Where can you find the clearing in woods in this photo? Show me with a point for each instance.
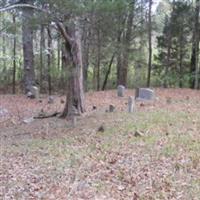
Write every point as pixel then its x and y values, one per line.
pixel 152 154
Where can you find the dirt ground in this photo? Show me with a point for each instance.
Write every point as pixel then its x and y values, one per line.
pixel 150 154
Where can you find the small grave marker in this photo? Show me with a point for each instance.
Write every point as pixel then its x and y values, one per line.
pixel 131 104
pixel 144 94
pixel 120 91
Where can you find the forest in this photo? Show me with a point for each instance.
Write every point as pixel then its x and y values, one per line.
pixel 100 99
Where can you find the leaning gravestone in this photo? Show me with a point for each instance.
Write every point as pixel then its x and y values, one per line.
pixel 131 105
pixel 120 91
pixel 144 94
pixel 35 92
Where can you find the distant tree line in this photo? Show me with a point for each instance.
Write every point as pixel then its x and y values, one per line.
pixel 77 45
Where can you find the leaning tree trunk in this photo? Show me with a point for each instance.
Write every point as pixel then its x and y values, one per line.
pixel 27 37
pixel 75 94
pixel 108 72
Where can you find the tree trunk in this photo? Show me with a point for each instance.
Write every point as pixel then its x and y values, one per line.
pixel 75 94
pixel 58 52
pixel 166 82
pixel 86 49
pixel 4 49
pixel 123 56
pixel 108 72
pixel 150 45
pixel 27 38
pixel 195 49
pixel 181 62
pixel 14 55
pixel 98 62
pixel 49 60
pixel 42 47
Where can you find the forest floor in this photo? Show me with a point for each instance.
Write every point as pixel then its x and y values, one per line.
pixel 151 154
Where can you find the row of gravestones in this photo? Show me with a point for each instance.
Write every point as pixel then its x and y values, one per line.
pixel 141 94
pixel 34 93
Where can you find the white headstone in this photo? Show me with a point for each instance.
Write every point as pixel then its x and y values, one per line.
pixel 35 92
pixel 51 99
pixel 120 91
pixel 3 112
pixel 131 104
pixel 144 94
pixel 28 120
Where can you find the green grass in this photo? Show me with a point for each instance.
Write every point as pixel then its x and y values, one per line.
pixel 178 150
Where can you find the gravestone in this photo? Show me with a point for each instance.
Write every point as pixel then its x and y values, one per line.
pixel 120 91
pixel 35 92
pixel 51 100
pixel 30 95
pixel 3 112
pixel 111 108
pixel 131 104
pixel 28 120
pixel 144 94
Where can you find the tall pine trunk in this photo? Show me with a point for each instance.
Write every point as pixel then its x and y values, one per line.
pixel 195 49
pixel 123 56
pixel 4 49
pixel 49 60
pixel 27 38
pixel 86 50
pixel 42 48
pixel 14 56
pixel 108 72
pixel 98 61
pixel 150 45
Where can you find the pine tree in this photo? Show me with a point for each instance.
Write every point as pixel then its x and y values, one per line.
pixel 173 46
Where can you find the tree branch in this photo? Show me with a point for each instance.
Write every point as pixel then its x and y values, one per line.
pixel 10 7
pixel 63 32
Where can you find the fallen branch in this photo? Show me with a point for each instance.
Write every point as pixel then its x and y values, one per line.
pixel 44 116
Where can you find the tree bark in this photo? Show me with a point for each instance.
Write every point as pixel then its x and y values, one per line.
pixel 58 53
pixel 108 72
pixel 14 55
pixel 4 49
pixel 150 45
pixel 42 47
pixel 27 38
pixel 123 56
pixel 166 83
pixel 75 104
pixel 98 62
pixel 86 49
pixel 195 49
pixel 181 63
pixel 49 60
